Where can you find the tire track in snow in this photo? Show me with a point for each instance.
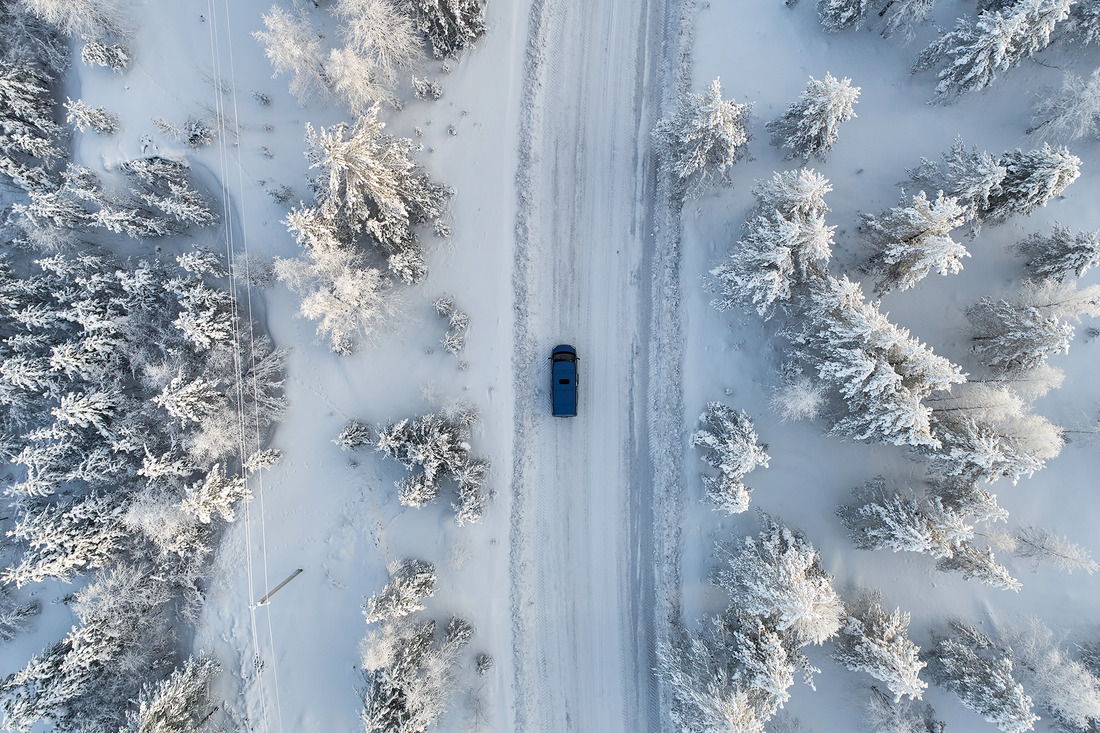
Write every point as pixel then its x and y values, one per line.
pixel 583 561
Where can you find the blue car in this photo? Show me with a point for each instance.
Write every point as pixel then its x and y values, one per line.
pixel 563 381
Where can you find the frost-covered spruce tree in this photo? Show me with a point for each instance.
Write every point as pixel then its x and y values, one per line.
pixel 728 442
pixel 875 641
pixel 28 150
pixel 912 241
pixel 785 241
pixel 410 582
pixel 367 183
pixel 702 139
pixel 1011 338
pixel 15 614
pixel 838 15
pixel 354 435
pixel 1061 254
pixel 451 25
pixel 778 576
pixel 380 44
pixel 904 16
pixel 974 562
pixel 82 116
pixel 216 493
pixel 293 47
pixel 882 373
pixel 969 176
pixel 882 519
pixel 970 56
pixel 114 56
pixel 177 704
pixel 1032 178
pixel 809 127
pixel 966 662
pixel 1071 112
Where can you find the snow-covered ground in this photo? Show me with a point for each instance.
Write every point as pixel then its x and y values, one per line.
pixel 562 234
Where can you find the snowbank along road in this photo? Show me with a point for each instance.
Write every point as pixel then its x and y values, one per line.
pixel 584 592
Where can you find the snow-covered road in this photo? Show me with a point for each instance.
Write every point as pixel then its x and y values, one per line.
pixel 585 595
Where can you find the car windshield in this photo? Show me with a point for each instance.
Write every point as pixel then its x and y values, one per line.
pixel 563 356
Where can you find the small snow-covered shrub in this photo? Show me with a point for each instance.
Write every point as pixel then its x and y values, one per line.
pixel 728 442
pixel 112 55
pixel 410 582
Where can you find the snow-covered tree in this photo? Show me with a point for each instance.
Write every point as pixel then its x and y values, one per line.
pixel 79 18
pixel 1061 254
pixel 355 434
pixel 904 16
pixel 408 671
pixel 15 614
pixel 838 15
pixel 293 47
pixel 410 582
pixel 875 641
pixel 1071 112
pixel 1039 545
pixel 82 116
pixel 216 493
pixel 883 714
pixel 1084 21
pixel 1032 178
pixel 778 576
pixel 969 176
pixel 27 128
pixel 970 55
pixel 114 56
pixel 799 397
pixel 967 663
pixel 702 139
pixel 728 442
pixel 367 183
pixel 64 538
pixel 902 522
pixel 809 127
pixel 451 25
pixel 177 704
pixel 350 300
pixel 379 44
pixel 974 562
pixel 911 242
pixel 1058 683
pixel 1012 338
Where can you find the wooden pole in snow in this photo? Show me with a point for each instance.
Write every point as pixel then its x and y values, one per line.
pixel 289 578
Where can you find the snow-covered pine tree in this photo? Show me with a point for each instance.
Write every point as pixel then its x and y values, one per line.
pixel 114 56
pixel 27 129
pixel 216 493
pixel 1011 338
pixel 1061 254
pixel 293 47
pixel 778 575
pixel 1071 112
pixel 354 435
pixel 875 641
pixel 64 538
pixel 472 497
pixel 450 25
pixel 801 191
pixel 702 139
pixel 838 15
pixel 970 56
pixel 969 176
pixel 904 17
pixel 82 116
pixel 15 614
pixel 1084 21
pixel 912 241
pixel 967 663
pixel 367 183
pixel 728 442
pixel 974 562
pixel 410 582
pixel 177 704
pixel 379 44
pixel 1032 178
pixel 882 519
pixel 809 127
